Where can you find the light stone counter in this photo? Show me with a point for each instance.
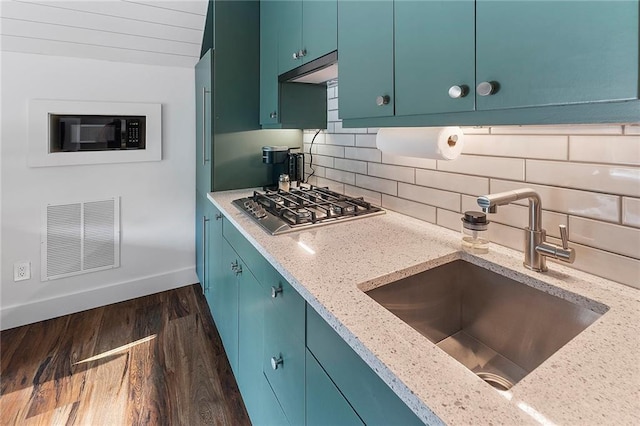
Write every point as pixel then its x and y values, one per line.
pixel 594 379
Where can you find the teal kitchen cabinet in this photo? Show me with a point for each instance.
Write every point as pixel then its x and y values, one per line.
pixel 284 347
pixel 553 53
pixel 428 65
pixel 308 29
pixel 325 405
pixel 272 414
pixel 201 239
pixel 515 62
pixel 371 398
pixel 225 304
pixel 285 105
pixel 365 46
pixel 213 250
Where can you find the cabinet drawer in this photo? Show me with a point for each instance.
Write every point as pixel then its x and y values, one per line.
pixel 272 414
pixel 285 302
pixel 283 365
pixel 248 253
pixel 325 404
pixel 369 396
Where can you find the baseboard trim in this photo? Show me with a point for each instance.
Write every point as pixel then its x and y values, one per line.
pixel 14 316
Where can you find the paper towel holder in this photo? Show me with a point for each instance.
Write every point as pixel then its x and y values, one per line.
pixel 452 140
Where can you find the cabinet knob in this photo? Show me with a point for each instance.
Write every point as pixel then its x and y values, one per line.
pixel 456 92
pixel 276 362
pixel 234 265
pixel 238 270
pixel 273 115
pixel 218 216
pixel 383 100
pixel 487 88
pixel 276 290
pixel 295 55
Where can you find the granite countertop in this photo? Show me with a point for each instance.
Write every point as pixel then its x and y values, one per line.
pixel 593 379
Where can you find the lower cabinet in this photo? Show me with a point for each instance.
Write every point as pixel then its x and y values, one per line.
pixel 325 405
pixel 291 367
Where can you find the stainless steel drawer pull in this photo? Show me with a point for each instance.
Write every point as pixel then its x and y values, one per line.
pixel 276 290
pixel 487 88
pixel 218 216
pixel 383 100
pixel 276 362
pixel 234 265
pixel 456 92
pixel 239 270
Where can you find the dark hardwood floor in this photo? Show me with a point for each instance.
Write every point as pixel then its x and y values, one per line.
pixel 153 360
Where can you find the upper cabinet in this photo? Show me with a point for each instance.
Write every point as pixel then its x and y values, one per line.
pixel 283 27
pixel 487 62
pixel 308 30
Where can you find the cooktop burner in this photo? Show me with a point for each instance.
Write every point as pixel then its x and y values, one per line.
pixel 279 211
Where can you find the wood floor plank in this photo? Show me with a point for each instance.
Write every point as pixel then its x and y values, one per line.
pixel 153 360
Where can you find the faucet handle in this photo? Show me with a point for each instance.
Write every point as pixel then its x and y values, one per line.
pixel 564 236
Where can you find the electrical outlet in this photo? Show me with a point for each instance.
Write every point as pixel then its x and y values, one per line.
pixel 22 271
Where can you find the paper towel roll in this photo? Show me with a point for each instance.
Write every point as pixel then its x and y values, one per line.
pixel 440 143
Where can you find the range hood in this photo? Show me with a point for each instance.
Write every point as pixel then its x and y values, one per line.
pixel 318 71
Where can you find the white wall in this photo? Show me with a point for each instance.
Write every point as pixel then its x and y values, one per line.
pixel 588 177
pixel 157 198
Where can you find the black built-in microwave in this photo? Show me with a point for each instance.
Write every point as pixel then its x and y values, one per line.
pixel 96 132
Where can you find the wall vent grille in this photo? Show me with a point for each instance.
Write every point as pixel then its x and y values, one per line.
pixel 80 237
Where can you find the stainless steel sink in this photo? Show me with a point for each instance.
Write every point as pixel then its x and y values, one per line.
pixel 497 327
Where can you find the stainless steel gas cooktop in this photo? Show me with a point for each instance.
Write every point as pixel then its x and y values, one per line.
pixel 279 212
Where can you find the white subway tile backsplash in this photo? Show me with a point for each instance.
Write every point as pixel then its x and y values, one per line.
pixel 308 148
pixel 332 150
pixel 632 129
pixel 430 196
pixel 332 184
pixel 579 203
pixel 308 137
pixel 605 149
pixel 524 146
pixel 605 264
pixel 583 129
pixel 364 154
pixel 410 208
pixel 372 197
pixel 631 211
pixel 317 170
pixel 453 182
pixel 366 141
pixel 351 165
pixel 399 173
pixel 341 176
pixel 497 167
pixel 344 140
pixel 376 184
pixel 321 160
pixel 593 177
pixel 506 236
pixel 332 116
pixel 449 219
pixel 422 163
pixel 606 236
pixel 588 177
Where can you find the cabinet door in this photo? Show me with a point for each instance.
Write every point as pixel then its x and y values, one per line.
pixel 214 272
pixel 325 404
pixel 556 52
pixel 250 341
pixel 319 28
pixel 283 365
pixel 268 62
pixel 226 306
pixel 204 129
pixel 365 46
pixel 290 34
pixel 272 414
pixel 434 51
pixel 200 238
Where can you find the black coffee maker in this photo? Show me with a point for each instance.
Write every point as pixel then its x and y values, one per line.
pixel 282 161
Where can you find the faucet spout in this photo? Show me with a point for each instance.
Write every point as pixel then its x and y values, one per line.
pixel 490 202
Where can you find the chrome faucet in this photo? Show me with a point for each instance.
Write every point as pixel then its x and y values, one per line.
pixel 536 248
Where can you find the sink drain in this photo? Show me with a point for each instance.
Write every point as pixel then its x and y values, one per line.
pixel 498 382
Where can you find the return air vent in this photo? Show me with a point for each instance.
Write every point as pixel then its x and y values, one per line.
pixel 80 237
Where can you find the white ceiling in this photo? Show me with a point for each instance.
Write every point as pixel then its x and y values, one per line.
pixel 157 32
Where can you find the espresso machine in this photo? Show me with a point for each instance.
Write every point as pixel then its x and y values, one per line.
pixel 283 164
